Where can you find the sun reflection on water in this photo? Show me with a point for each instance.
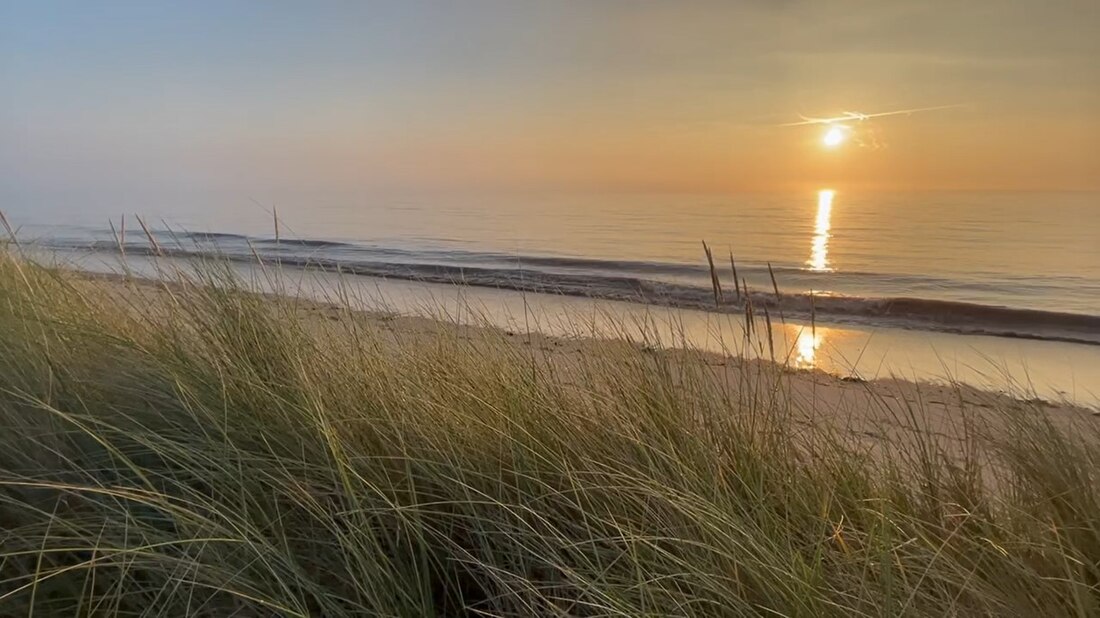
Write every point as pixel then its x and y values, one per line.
pixel 806 345
pixel 819 248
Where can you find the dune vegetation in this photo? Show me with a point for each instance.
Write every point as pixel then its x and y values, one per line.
pixel 195 448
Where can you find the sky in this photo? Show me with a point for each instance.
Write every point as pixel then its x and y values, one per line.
pixel 131 101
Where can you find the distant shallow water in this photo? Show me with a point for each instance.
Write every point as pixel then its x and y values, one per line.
pixel 1021 250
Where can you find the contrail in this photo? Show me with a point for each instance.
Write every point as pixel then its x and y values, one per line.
pixel 859 117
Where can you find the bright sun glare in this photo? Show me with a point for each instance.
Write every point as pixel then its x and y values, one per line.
pixel 833 137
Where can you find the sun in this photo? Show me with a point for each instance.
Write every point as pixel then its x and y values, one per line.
pixel 834 137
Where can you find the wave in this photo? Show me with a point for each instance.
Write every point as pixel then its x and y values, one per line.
pixel 204 236
pixel 684 286
pixel 320 244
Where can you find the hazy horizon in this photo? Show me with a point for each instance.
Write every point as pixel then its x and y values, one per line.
pixel 123 103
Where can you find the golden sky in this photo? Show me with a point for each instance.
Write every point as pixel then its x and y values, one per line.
pixel 281 98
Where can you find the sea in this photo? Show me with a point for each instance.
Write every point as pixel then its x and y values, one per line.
pixel 1005 286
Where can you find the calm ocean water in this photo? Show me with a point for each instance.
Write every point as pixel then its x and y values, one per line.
pixel 1015 264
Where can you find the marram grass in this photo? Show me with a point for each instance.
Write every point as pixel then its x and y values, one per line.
pixel 206 451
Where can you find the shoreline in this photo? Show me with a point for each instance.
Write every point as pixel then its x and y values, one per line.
pixel 876 411
pixel 1024 368
pixel 919 314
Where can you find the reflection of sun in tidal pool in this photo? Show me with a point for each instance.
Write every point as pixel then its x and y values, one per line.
pixel 806 348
